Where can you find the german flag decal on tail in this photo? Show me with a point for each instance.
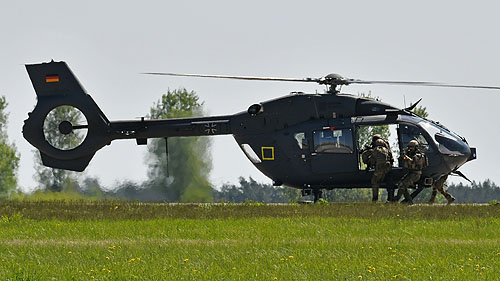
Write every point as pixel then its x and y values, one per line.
pixel 52 78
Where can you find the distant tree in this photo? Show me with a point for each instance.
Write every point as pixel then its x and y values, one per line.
pixel 421 111
pixel 51 179
pixel 476 192
pixel 250 190
pixel 184 177
pixel 9 158
pixel 348 195
pixel 91 187
pixel 290 193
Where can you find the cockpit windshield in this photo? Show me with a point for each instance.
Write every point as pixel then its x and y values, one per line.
pixel 447 142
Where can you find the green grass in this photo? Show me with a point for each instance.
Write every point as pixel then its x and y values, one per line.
pixel 106 240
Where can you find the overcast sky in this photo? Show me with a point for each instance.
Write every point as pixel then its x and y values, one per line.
pixel 108 43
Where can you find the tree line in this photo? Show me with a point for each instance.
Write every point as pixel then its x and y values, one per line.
pixel 182 174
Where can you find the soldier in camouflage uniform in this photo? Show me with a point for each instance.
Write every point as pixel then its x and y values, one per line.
pixel 413 161
pixel 378 157
pixel 438 186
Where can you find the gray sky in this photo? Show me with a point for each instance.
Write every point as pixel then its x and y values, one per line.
pixel 108 43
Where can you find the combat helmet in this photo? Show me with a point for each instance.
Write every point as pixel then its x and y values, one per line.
pixel 376 137
pixel 379 142
pixel 413 143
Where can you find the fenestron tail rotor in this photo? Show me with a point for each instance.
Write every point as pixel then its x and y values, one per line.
pixel 65 127
pixel 332 80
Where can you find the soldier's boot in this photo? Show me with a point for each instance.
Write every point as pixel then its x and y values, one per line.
pixel 407 195
pixel 398 195
pixel 433 197
pixel 450 198
pixel 401 192
pixel 374 194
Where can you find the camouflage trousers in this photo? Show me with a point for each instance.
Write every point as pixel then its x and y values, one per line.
pixel 439 186
pixel 408 180
pixel 378 177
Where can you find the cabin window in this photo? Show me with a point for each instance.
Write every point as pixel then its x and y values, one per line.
pixel 365 136
pixel 333 141
pixel 250 153
pixel 409 132
pixel 301 140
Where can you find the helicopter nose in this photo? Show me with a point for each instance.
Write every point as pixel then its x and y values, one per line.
pixel 460 156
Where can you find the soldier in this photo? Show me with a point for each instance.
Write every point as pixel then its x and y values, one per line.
pixel 381 161
pixel 413 161
pixel 378 157
pixel 438 186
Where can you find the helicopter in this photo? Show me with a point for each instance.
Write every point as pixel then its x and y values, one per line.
pixel 306 141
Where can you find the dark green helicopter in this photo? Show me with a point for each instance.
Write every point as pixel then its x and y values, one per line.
pixel 306 141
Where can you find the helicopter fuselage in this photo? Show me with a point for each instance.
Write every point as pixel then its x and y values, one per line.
pixel 306 141
pixel 311 141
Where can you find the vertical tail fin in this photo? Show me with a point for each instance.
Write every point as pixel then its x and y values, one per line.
pixel 54 79
pixel 56 85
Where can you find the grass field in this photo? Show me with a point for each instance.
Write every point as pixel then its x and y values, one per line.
pixel 106 240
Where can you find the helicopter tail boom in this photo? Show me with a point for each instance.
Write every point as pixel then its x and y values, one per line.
pixel 70 143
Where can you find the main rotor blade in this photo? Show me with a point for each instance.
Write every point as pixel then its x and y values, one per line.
pixel 331 79
pixel 429 84
pixel 316 80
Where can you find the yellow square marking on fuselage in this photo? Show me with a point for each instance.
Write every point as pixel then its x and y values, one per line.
pixel 272 153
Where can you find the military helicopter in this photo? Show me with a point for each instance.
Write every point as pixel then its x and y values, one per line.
pixel 306 141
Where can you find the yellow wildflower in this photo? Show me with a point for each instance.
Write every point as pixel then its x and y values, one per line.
pixel 290 257
pixel 186 260
pixel 69 252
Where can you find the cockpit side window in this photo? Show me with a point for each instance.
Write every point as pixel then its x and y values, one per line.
pixel 446 141
pixel 409 132
pixel 333 141
pixel 301 140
